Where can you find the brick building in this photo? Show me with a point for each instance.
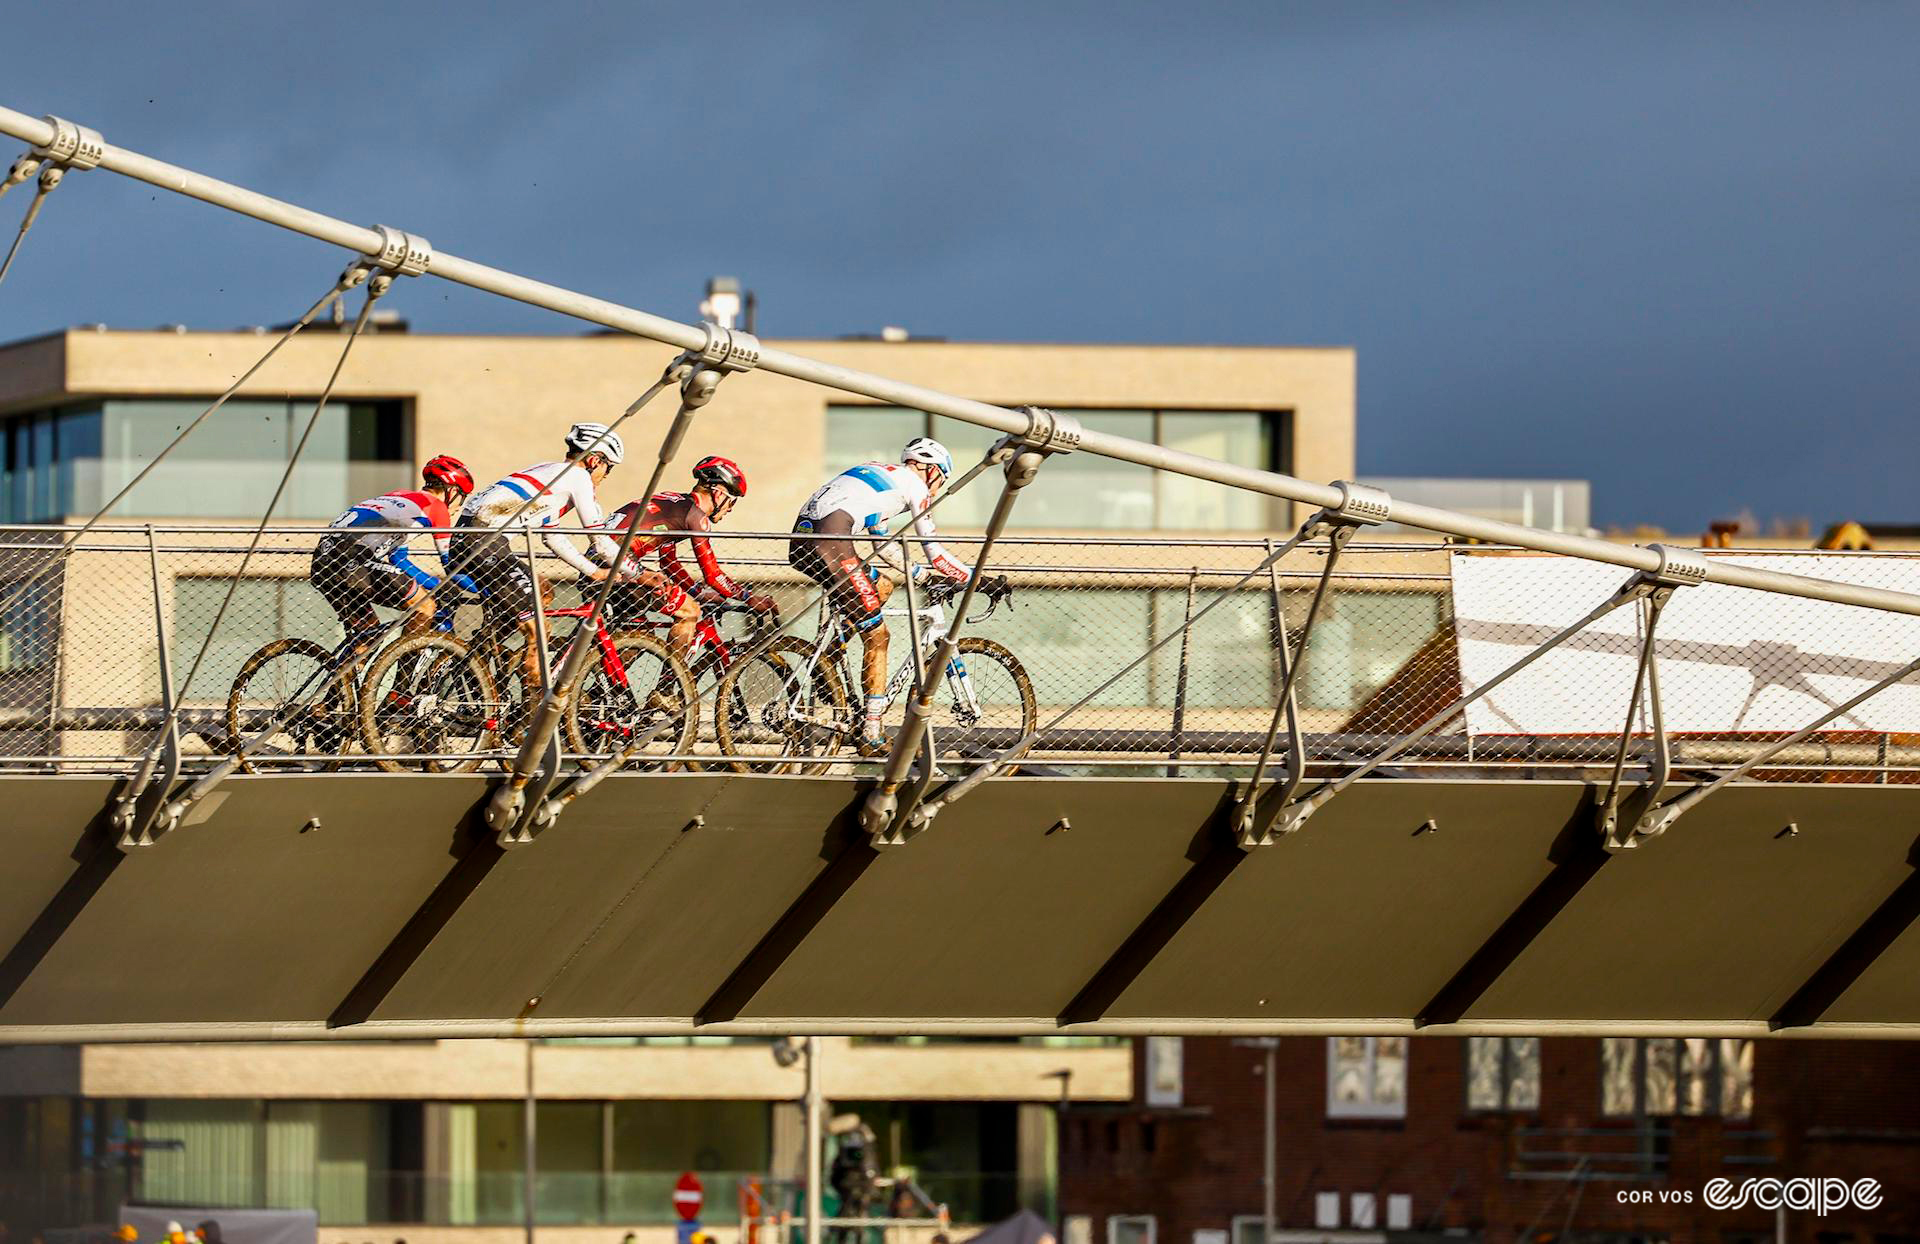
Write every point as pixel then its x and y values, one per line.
pixel 1495 1139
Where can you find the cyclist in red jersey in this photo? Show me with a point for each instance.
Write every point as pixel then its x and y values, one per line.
pixel 717 484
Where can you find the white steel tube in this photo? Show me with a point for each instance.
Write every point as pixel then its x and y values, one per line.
pixel 816 1139
pixel 365 240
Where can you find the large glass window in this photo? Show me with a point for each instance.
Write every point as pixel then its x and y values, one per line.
pixel 1084 491
pixel 70 462
pixel 262 610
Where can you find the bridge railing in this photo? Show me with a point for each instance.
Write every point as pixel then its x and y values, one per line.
pixel 1148 656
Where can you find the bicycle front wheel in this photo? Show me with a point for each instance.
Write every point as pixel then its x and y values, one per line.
pixel 288 701
pixel 647 703
pixel 431 699
pixel 771 720
pixel 987 703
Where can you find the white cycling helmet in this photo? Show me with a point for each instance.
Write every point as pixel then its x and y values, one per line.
pixel 595 436
pixel 926 450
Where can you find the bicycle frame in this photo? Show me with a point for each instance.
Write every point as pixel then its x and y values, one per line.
pixel 932 618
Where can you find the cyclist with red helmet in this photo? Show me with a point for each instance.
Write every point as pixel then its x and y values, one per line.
pixel 718 483
pixel 363 559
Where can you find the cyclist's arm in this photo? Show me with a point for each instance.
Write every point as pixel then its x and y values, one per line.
pixel 400 558
pixel 587 506
pixel 938 560
pixel 710 568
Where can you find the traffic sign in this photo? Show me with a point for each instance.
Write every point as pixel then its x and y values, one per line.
pixel 687 1196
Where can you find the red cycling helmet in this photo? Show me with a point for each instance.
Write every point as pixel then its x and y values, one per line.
pixel 449 471
pixel 722 472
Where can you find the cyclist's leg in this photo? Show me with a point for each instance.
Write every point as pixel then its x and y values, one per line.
pixel 340 575
pixel 685 612
pixel 857 597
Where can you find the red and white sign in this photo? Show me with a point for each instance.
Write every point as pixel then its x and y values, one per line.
pixel 687 1195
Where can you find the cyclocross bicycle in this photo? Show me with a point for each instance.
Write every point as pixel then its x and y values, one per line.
pixel 440 696
pixel 796 705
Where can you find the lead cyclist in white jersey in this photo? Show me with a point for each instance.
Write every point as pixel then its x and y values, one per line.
pixel 538 497
pixel 859 502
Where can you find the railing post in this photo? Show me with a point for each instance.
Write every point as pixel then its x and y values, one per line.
pixel 883 815
pixel 1259 807
pixel 1180 677
pixel 137 809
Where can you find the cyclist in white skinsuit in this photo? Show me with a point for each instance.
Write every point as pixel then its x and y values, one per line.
pixel 858 502
pixel 479 550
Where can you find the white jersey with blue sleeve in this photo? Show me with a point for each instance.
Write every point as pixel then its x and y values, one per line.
pixel 875 492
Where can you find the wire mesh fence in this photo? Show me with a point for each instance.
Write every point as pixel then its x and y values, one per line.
pixel 1105 655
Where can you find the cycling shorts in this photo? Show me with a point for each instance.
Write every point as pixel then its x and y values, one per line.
pixel 351 577
pixel 485 556
pixel 831 561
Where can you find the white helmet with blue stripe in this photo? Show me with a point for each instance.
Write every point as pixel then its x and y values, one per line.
pixel 924 449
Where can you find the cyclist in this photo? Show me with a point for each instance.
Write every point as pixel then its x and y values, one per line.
pixel 481 550
pixel 859 501
pixel 718 483
pixel 363 560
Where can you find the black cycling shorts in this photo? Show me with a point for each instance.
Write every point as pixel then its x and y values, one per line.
pixel 833 563
pixel 351 578
pixel 484 555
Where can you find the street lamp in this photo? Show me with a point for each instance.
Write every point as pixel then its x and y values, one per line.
pixel 1271 1045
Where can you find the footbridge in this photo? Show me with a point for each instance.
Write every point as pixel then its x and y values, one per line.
pixel 1491 779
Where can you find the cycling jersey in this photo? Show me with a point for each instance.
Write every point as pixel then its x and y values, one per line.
pixel 874 492
pixel 382 524
pixel 677 513
pixel 568 488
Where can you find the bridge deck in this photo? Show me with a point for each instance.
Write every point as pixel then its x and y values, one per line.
pixel 721 903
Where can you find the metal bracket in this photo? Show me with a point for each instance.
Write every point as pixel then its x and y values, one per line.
pixel 1258 807
pixel 403 253
pixel 1049 431
pixel 74 146
pixel 1678 568
pixel 729 349
pixel 520 830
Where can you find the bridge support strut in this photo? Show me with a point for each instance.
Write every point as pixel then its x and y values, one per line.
pixel 886 815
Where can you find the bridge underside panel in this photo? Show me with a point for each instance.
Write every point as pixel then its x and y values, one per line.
pixel 715 902
pixel 1725 917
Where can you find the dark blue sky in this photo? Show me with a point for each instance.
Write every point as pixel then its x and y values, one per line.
pixel 1669 248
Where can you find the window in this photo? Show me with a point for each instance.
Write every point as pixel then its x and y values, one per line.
pixel 1399 1212
pixel 59 463
pixel 1130 1229
pixel 1363 1209
pixel 1248 1229
pixel 28 626
pixel 1165 1056
pixel 1326 1209
pixel 1082 490
pixel 1665 1076
pixel 1503 1073
pixel 262 609
pixel 1367 1077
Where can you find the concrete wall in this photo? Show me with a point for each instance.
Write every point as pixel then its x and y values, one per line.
pixel 455 1070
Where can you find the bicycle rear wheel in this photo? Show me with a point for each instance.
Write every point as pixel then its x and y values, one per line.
pixel 650 697
pixel 769 723
pixel 429 696
pixel 288 701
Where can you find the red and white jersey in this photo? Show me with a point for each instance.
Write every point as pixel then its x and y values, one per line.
pixel 874 492
pixel 568 489
pixel 678 514
pixel 390 518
